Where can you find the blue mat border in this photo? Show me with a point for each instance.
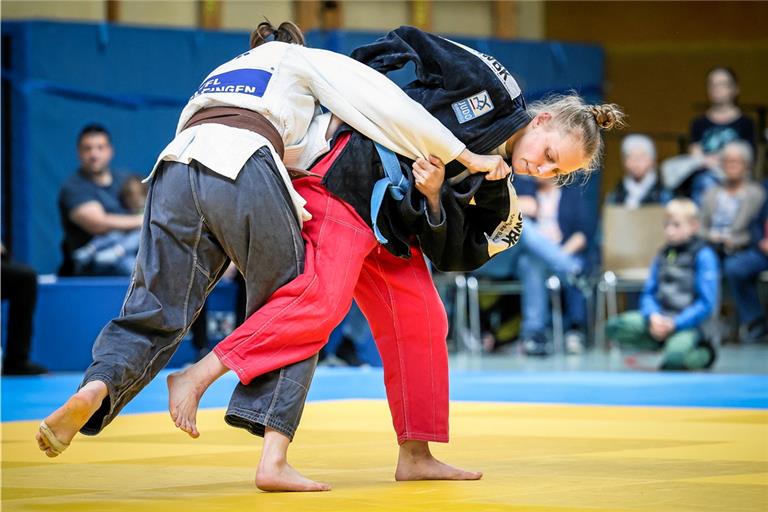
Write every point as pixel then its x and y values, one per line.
pixel 27 398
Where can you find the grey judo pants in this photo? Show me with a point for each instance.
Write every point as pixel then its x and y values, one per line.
pixel 195 222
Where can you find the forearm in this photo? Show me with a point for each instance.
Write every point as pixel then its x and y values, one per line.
pixel 110 222
pixel 693 316
pixel 575 243
pixel 376 106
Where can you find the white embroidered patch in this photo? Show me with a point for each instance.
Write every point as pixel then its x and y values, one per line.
pixel 472 107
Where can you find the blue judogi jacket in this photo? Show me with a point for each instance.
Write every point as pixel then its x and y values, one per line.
pixel 476 98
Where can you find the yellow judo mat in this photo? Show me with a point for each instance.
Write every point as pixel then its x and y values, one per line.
pixel 535 457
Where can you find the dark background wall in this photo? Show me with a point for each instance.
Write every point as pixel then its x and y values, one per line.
pixel 657 55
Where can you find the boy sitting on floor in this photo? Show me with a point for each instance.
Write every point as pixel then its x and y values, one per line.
pixel 679 296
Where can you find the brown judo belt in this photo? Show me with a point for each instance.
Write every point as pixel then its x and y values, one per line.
pixel 245 119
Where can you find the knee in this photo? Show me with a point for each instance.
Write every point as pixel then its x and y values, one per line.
pixel 736 269
pixel 730 268
pixel 329 314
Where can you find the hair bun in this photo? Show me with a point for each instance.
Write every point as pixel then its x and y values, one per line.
pixel 287 32
pixel 607 116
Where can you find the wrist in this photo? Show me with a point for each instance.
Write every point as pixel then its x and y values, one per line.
pixel 433 201
pixel 466 158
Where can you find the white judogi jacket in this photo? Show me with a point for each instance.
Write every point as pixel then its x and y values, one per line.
pixel 287 83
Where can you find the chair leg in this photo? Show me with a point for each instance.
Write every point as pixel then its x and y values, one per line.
pixel 600 340
pixel 589 296
pixel 460 327
pixel 553 284
pixel 473 299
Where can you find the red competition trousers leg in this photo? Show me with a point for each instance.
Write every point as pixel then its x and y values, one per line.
pixel 410 326
pixel 397 296
pixel 297 319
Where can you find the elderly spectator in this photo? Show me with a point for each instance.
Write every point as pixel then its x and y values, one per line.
pixel 641 184
pixel 678 298
pixel 723 121
pixel 741 271
pixel 90 203
pixel 730 208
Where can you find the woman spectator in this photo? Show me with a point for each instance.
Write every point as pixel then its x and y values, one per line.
pixel 728 212
pixel 640 185
pixel 723 121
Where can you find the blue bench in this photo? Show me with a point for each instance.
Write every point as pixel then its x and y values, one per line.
pixel 72 311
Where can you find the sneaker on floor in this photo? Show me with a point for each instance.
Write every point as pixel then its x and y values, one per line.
pixel 575 342
pixel 536 345
pixel 754 332
pixel 333 361
pixel 26 368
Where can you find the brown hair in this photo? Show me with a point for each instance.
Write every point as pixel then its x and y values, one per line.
pixel 572 115
pixel 286 32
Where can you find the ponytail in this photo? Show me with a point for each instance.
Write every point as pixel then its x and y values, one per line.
pixel 286 32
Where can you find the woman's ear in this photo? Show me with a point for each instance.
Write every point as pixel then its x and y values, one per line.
pixel 541 118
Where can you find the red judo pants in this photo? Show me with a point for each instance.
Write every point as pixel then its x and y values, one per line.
pixel 396 295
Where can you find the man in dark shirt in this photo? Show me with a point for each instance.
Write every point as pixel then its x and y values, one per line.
pixel 89 201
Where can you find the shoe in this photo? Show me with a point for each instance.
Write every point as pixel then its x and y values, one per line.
pixel 754 332
pixel 712 354
pixel 536 345
pixel 25 368
pixel 574 342
pixel 333 361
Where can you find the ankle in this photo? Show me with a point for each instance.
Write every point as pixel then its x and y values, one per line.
pixel 272 461
pixel 94 390
pixel 413 450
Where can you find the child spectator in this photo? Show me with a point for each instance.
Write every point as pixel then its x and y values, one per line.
pixel 680 295
pixel 114 253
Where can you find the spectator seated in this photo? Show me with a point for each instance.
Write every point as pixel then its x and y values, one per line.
pixel 679 297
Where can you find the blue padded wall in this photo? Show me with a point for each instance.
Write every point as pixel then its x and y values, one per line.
pixel 72 311
pixel 135 82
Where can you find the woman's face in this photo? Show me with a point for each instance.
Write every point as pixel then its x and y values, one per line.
pixel 721 87
pixel 637 163
pixel 734 166
pixel 545 152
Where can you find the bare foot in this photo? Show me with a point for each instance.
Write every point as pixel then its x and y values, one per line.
pixel 185 388
pixel 68 419
pixel 183 399
pixel 417 463
pixel 282 477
